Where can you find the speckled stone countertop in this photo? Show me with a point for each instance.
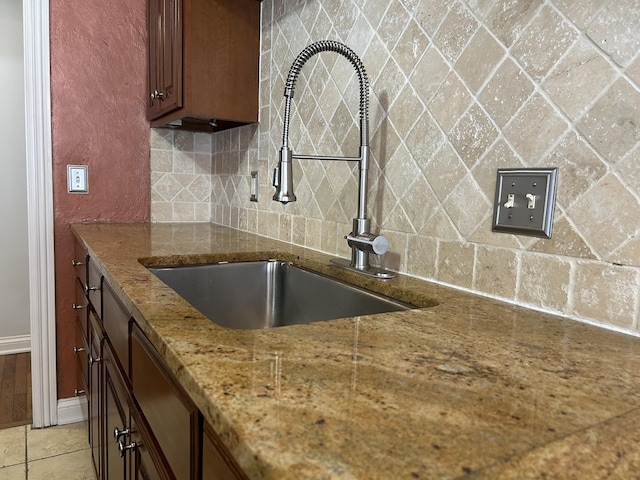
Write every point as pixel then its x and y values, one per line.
pixel 469 388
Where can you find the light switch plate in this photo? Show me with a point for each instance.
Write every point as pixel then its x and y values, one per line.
pixel 77 179
pixel 525 200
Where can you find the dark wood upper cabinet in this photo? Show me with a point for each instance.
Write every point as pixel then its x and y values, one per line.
pixel 203 60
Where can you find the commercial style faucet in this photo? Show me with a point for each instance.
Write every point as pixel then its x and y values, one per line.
pixel 361 241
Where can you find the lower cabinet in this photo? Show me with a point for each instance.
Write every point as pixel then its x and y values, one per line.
pixel 142 425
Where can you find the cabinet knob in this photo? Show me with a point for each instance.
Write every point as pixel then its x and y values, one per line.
pixel 93 360
pixel 156 95
pixel 122 448
pixel 78 349
pixel 78 391
pixel 75 306
pixel 75 263
pixel 117 433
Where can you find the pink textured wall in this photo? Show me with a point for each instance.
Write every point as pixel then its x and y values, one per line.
pixel 98 72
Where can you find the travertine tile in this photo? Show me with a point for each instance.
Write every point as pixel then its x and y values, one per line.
pixel 455 31
pixel 579 168
pixel 431 13
pixel 425 139
pixel 411 47
pixel 421 256
pixel 634 70
pixel 545 281
pixel 534 129
pixel 455 263
pixel 607 292
pixel 444 171
pixel 622 16
pixel 467 205
pixel 450 102
pixel 578 79
pixel 430 72
pixel 406 110
pixel 473 135
pixel 161 138
pixel 479 59
pixel 419 203
pixel 496 271
pixel 505 93
pixel 612 125
pixel 508 18
pixel 393 23
pixel 544 42
pixel 580 13
pixel 607 215
pixel 564 241
pixel 629 167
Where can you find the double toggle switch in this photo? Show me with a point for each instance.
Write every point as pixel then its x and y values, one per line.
pixel 524 201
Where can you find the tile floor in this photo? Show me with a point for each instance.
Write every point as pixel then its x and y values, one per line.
pixel 48 453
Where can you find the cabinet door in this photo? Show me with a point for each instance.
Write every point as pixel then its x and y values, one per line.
pixel 217 463
pixel 170 414
pixel 116 419
pixel 165 56
pixel 95 387
pixel 148 463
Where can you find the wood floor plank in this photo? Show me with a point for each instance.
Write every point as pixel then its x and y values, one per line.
pixel 15 390
pixel 7 389
pixel 21 373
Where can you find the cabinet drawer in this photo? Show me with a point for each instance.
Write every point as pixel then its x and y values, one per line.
pixel 79 263
pixel 93 287
pixel 171 416
pixel 115 320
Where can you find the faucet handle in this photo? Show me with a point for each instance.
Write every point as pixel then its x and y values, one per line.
pixel 276 177
pixel 367 242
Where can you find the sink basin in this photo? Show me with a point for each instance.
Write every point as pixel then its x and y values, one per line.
pixel 264 294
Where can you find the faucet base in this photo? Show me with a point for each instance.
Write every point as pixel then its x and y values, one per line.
pixel 371 271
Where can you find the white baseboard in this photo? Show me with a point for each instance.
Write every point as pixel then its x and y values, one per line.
pixel 17 344
pixel 72 410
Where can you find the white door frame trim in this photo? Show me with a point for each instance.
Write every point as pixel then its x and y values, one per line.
pixel 40 212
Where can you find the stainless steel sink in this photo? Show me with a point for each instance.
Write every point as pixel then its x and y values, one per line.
pixel 264 294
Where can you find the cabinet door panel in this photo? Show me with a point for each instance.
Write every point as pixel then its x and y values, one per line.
pixel 115 319
pixel 216 462
pixel 171 416
pixel 116 416
pixel 95 387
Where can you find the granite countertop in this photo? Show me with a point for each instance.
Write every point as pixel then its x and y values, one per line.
pixel 470 387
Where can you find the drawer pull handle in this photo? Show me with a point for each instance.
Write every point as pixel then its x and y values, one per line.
pixel 78 349
pixel 122 448
pixel 88 289
pixel 93 360
pixel 117 433
pixel 78 391
pixel 75 306
pixel 75 263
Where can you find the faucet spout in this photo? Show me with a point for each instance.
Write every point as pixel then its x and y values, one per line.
pixel 361 241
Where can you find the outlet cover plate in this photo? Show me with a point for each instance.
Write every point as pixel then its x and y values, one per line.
pixel 525 200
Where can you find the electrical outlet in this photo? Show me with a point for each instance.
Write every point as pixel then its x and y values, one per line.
pixel 77 179
pixel 524 201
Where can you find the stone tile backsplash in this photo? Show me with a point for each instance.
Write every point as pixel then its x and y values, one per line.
pixel 458 89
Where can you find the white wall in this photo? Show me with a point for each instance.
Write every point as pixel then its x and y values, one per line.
pixel 14 281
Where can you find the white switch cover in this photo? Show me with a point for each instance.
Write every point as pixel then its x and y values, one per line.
pixel 77 179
